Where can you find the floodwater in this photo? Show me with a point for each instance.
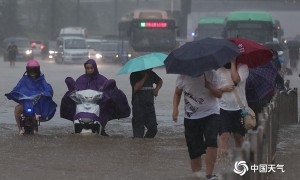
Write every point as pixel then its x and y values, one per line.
pixel 56 153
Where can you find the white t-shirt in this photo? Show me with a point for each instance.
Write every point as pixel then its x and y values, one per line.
pixel 228 100
pixel 198 101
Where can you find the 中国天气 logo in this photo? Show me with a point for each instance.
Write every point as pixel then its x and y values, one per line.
pixel 240 167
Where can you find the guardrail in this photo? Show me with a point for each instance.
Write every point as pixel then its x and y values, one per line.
pixel 260 146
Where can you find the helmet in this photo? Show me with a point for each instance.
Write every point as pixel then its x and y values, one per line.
pixel 33 63
pixel 33 66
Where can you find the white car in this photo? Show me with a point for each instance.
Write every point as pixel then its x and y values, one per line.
pixel 94 46
pixel 103 50
pixel 71 50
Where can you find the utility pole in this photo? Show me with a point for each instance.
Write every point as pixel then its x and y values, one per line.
pixel 78 13
pixel 116 15
pixel 185 10
pixel 172 6
pixel 53 24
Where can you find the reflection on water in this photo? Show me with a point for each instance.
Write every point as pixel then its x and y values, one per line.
pixel 56 153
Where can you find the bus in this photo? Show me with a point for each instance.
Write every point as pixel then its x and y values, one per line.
pixel 255 25
pixel 209 27
pixel 148 31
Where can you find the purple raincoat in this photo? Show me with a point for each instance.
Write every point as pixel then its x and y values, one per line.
pixel 113 105
pixel 94 81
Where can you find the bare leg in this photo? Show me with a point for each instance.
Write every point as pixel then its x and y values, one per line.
pixel 223 144
pixel 210 159
pixel 18 112
pixel 196 164
pixel 239 139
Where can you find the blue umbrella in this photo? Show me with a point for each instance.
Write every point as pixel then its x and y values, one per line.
pixel 144 62
pixel 196 57
pixel 260 82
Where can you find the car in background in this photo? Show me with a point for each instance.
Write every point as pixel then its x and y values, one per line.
pixel 123 54
pixel 23 45
pixel 51 47
pixel 106 50
pixel 48 51
pixel 71 49
pixel 94 46
pixel 37 46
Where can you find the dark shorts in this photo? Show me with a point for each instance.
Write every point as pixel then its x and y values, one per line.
pixel 200 134
pixel 231 122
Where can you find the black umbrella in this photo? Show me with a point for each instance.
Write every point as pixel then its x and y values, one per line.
pixel 196 57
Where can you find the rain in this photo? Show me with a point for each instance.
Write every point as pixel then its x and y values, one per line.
pixel 55 152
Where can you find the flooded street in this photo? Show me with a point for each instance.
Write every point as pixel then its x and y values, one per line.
pixel 56 153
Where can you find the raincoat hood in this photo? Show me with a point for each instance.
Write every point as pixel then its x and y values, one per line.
pixel 94 81
pixel 93 63
pixel 70 82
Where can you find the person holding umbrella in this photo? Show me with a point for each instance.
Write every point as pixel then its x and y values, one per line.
pixel 12 54
pixel 143 110
pixel 142 79
pixel 201 119
pixel 235 76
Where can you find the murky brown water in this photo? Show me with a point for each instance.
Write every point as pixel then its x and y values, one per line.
pixel 57 154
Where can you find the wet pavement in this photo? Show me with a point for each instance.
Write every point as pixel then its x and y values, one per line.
pixel 56 153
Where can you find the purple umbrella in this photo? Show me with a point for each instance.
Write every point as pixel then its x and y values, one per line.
pixel 260 82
